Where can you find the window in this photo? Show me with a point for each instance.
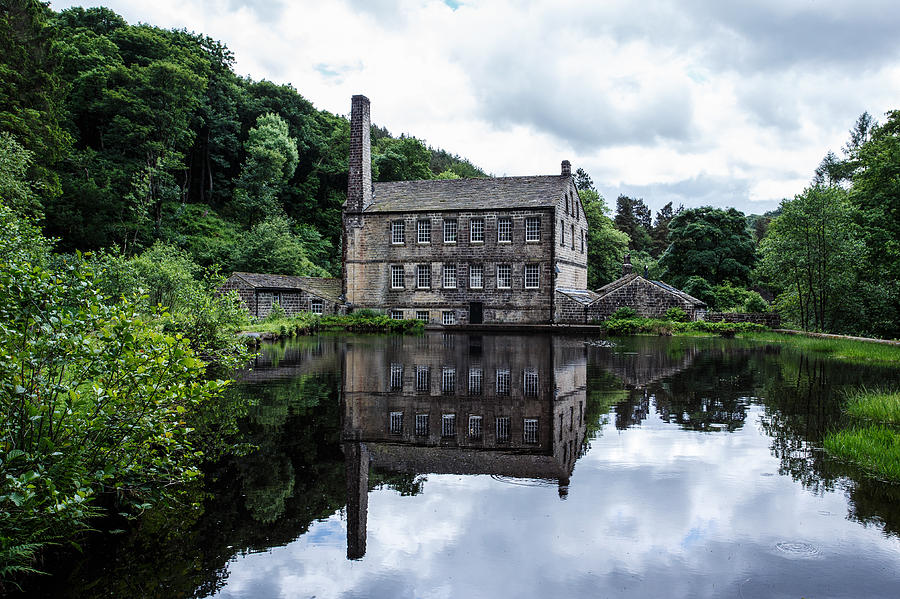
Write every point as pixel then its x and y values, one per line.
pixel 572 236
pixel 423 378
pixel 582 241
pixel 475 427
pixel 276 299
pixel 316 306
pixel 530 382
pixel 476 230
pixel 396 276
pixel 567 202
pixel 448 317
pixel 423 227
pixel 475 376
pixel 396 377
pixel 422 315
pixel 504 276
pixel 562 232
pixel 396 314
pixel 398 232
pixel 531 430
pixel 422 424
pixel 396 423
pixel 502 381
pixel 450 230
pixel 448 380
pixel 532 276
pixel 476 276
pixel 449 276
pixel 504 230
pixel 423 276
pixel 503 429
pixel 533 228
pixel 448 425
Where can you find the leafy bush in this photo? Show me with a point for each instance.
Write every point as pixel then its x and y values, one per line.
pixel 95 398
pixel 624 312
pixel 755 303
pixel 275 313
pixel 676 314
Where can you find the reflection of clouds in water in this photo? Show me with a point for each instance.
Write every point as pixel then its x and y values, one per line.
pixel 652 511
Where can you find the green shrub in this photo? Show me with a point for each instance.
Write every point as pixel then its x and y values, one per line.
pixel 676 314
pixel 623 313
pixel 95 398
pixel 755 303
pixel 275 313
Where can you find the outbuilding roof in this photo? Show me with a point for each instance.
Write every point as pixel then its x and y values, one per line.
pixel 622 281
pixel 487 193
pixel 326 288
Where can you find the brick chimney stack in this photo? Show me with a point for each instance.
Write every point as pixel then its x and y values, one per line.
pixel 359 186
pixel 566 168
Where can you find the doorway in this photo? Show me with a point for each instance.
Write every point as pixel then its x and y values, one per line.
pixel 476 313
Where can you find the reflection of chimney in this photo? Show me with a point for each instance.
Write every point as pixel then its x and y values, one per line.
pixel 359 186
pixel 357 462
pixel 563 488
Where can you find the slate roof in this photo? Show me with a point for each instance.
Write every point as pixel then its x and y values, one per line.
pixel 621 282
pixel 582 296
pixel 325 288
pixel 468 194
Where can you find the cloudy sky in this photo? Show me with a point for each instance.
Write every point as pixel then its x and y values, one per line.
pixel 696 102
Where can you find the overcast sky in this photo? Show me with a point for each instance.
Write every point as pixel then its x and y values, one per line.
pixel 696 102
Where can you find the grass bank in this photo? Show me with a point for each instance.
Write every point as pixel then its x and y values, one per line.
pixel 306 323
pixel 872 441
pixel 844 349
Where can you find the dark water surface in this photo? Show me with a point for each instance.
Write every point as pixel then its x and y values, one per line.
pixel 453 465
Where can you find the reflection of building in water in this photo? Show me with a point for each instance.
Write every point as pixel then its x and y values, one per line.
pixel 457 404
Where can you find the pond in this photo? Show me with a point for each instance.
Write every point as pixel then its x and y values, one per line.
pixel 460 465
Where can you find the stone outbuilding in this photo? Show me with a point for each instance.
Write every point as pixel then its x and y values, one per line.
pixel 259 292
pixel 648 298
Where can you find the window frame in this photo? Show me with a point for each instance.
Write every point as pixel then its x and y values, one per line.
pixel 504 222
pixel 448 317
pixel 398 226
pixel 423 270
pixel 479 268
pixel 508 278
pixel 423 231
pixel 536 229
pixel 472 228
pixel 317 302
pixel 425 318
pixel 535 271
pixel 449 274
pixel 395 269
pixel 451 225
pixel 396 314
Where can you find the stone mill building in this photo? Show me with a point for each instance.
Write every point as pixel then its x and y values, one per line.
pixel 461 251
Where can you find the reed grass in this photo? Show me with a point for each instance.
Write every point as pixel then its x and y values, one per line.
pixel 875 448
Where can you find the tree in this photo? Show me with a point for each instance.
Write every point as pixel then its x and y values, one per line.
pixel 270 161
pixel 15 188
pixel 660 231
pixel 403 159
pixel 711 243
pixel 583 181
pixel 811 254
pixel 606 244
pixel 272 247
pixel 633 219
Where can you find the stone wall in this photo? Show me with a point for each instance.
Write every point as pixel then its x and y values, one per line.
pixel 258 302
pixel 371 253
pixel 769 319
pixel 568 311
pixel 569 227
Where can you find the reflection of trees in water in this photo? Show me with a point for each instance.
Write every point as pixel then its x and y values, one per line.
pixel 803 397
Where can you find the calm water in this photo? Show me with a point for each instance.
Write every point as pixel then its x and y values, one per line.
pixel 454 465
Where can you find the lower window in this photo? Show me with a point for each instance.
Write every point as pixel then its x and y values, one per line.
pixel 316 307
pixel 397 314
pixel 448 317
pixel 422 315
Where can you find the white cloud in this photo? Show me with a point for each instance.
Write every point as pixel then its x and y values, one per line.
pixel 668 96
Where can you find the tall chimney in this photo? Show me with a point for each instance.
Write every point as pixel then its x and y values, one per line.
pixel 359 186
pixel 627 268
pixel 566 168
